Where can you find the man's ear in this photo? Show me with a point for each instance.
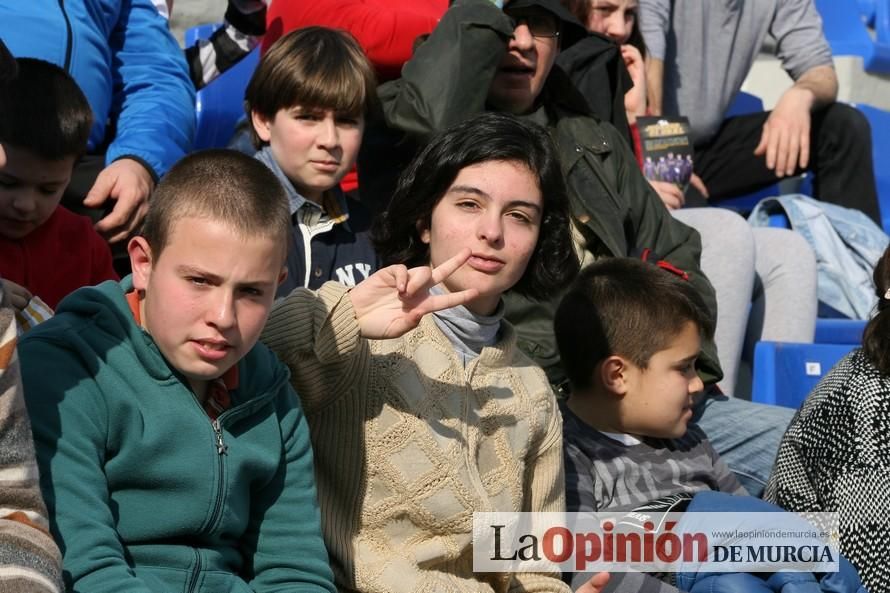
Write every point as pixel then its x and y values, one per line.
pixel 282 276
pixel 614 375
pixel 261 125
pixel 140 261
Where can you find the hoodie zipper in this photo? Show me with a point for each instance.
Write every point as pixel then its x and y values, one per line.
pixel 221 450
pixel 70 36
pixel 196 573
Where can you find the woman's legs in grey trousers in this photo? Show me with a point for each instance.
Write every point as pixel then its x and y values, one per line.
pixel 768 272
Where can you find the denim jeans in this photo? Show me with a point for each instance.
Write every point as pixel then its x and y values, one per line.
pixel 745 434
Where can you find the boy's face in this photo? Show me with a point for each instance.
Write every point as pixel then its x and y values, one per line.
pixel 207 295
pixel 524 69
pixel 30 189
pixel 658 401
pixel 615 19
pixel 314 148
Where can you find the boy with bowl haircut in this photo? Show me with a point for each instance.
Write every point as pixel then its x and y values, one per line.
pixel 45 250
pixel 307 103
pixel 173 453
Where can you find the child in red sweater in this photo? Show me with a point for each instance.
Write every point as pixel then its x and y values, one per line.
pixel 46 251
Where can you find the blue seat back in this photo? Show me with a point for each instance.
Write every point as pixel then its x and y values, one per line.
pixel 839 331
pixel 880 141
pixel 219 106
pixel 845 24
pixel 785 373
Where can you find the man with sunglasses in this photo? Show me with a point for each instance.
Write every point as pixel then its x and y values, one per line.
pixel 483 56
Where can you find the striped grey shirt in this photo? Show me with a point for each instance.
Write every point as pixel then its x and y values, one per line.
pixel 604 474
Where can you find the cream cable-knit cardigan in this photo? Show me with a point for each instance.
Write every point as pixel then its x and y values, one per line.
pixel 408 443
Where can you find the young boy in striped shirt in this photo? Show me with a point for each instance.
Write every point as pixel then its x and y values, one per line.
pixel 629 333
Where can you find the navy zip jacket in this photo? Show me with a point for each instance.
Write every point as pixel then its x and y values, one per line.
pixel 339 249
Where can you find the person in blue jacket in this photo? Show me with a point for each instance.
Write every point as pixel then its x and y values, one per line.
pixel 136 80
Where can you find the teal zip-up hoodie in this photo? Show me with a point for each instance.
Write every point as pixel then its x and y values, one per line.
pixel 140 496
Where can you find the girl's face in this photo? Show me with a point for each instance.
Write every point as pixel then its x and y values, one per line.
pixel 495 209
pixel 615 19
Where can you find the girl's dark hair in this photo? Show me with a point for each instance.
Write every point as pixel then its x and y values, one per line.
pixel 486 137
pixel 876 339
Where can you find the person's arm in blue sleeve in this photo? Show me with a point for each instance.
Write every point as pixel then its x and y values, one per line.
pixel 153 114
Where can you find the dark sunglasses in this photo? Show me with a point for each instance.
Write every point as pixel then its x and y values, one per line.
pixel 540 24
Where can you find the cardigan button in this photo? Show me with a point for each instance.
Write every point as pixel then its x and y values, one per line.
pixel 318 272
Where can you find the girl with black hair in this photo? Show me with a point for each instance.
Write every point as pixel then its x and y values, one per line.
pixel 835 457
pixel 421 407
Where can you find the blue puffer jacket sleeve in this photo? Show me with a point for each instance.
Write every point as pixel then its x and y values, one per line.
pixel 153 96
pixel 126 62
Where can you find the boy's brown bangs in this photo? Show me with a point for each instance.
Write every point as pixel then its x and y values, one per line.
pixel 343 91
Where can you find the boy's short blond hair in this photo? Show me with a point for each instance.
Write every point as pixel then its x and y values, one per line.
pixel 315 68
pixel 224 186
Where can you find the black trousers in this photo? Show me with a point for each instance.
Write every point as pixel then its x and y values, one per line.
pixel 840 159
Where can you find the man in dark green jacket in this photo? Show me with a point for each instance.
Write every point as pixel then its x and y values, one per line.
pixel 482 57
pixel 462 69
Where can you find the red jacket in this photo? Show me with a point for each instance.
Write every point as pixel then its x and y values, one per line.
pixel 386 30
pixel 61 255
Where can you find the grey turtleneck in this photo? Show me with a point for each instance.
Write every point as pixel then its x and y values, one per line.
pixel 468 332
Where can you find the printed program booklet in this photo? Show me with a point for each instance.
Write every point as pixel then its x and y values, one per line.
pixel 667 149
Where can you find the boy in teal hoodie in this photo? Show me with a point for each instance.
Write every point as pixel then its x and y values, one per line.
pixel 173 454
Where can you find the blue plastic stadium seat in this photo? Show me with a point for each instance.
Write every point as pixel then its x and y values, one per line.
pixel 839 331
pixel 867 9
pixel 845 24
pixel 785 373
pixel 219 106
pixel 880 140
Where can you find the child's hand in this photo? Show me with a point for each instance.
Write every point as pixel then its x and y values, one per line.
pixel 19 296
pixel 392 301
pixel 596 583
